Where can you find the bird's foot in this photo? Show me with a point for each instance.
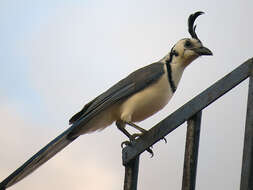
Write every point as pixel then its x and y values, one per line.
pixel 165 140
pixel 125 143
pixel 128 143
pixel 132 138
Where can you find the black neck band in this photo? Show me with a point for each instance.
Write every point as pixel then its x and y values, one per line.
pixel 169 71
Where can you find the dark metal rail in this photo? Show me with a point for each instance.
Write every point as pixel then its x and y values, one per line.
pixel 131 174
pixel 190 112
pixel 247 161
pixel 191 152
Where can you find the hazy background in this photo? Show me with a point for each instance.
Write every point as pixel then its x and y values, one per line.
pixel 55 56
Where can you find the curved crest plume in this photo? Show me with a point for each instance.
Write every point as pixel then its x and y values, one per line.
pixel 191 26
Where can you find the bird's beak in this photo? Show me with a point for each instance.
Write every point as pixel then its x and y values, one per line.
pixel 203 51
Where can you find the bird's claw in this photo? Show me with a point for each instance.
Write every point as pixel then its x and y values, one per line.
pixel 150 151
pixel 165 140
pixel 126 143
pixel 132 138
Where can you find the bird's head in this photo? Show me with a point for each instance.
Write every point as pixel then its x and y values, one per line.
pixel 188 49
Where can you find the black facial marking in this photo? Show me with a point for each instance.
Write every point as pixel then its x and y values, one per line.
pixel 172 84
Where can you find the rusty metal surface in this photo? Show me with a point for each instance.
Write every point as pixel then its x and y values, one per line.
pixel 191 152
pixel 198 103
pixel 131 174
pixel 247 161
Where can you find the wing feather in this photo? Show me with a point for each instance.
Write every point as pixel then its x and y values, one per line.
pixel 133 83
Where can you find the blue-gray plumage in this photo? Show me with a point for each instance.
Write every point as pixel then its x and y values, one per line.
pixel 130 85
pixel 135 98
pixel 143 92
pixel 133 83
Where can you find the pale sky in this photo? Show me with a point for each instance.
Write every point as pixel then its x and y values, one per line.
pixel 57 55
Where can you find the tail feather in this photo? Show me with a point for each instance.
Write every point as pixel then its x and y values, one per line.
pixel 47 152
pixel 38 159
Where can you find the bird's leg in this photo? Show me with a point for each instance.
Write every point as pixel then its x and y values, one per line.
pixel 121 126
pixel 135 135
pixel 140 129
pixel 136 127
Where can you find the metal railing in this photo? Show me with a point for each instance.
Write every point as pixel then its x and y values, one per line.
pixel 190 112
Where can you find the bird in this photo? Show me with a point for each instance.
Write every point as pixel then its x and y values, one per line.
pixel 133 99
pixel 142 93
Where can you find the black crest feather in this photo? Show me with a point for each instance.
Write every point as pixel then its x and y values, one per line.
pixel 191 26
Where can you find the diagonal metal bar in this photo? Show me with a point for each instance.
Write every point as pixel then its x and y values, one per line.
pixel 131 174
pixel 191 152
pixel 198 103
pixel 247 161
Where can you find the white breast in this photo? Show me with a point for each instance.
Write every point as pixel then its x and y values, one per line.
pixel 148 101
pixel 139 106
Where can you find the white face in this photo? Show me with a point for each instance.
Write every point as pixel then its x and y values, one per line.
pixel 187 50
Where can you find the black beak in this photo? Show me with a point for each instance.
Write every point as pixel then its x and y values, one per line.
pixel 203 51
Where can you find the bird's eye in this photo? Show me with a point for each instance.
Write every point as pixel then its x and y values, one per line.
pixel 188 44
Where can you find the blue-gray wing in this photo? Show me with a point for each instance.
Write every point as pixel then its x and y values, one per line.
pixel 133 83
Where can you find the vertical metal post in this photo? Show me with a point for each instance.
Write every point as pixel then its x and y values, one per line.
pixel 247 160
pixel 131 174
pixel 191 152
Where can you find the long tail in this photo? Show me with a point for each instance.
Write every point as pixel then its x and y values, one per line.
pixel 38 159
